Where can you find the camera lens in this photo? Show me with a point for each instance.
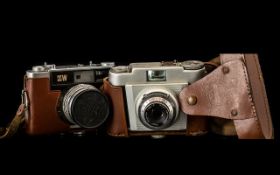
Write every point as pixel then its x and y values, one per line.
pixel 156 114
pixel 158 110
pixel 86 106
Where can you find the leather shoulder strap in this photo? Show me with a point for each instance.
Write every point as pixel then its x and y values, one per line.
pixel 14 125
pixel 262 122
pixel 235 91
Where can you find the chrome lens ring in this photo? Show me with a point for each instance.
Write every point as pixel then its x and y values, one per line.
pixel 158 110
pixel 85 106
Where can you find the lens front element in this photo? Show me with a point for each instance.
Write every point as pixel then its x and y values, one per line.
pixel 86 106
pixel 156 114
pixel 158 110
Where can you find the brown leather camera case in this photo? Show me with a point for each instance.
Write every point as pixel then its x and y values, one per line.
pixel 42 117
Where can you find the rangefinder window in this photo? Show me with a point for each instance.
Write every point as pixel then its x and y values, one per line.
pixel 83 76
pixel 156 75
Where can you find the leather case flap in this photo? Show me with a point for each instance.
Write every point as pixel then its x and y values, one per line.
pixel 223 93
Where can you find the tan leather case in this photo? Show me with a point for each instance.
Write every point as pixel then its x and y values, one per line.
pixel 42 117
pixel 117 126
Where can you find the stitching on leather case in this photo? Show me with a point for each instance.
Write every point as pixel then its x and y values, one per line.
pixel 249 90
pixel 251 98
pixel 263 91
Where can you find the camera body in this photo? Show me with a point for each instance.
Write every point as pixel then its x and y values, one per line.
pixel 65 98
pixel 145 97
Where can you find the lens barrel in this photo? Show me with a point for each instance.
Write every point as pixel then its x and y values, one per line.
pixel 158 110
pixel 86 106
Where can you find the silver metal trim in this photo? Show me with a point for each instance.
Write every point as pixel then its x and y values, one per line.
pixel 107 64
pixel 24 99
pixel 137 73
pixel 32 74
pixel 43 71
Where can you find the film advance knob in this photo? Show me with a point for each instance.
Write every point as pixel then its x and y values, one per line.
pixel 120 69
pixel 38 68
pixel 192 65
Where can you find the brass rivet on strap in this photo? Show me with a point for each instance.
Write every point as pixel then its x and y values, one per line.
pixel 192 100
pixel 234 112
pixel 225 70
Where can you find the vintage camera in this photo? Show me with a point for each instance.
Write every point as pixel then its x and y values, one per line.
pixel 145 97
pixel 65 98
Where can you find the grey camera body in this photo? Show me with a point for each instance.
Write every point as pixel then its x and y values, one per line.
pixel 151 91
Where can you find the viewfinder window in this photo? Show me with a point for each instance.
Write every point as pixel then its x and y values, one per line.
pixel 156 75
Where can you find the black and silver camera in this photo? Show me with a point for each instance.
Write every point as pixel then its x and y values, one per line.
pixel 150 96
pixel 65 98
